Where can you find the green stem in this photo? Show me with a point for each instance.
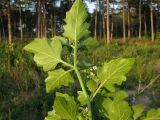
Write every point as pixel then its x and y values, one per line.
pixel 81 82
pixel 77 72
pixel 85 93
pixel 67 64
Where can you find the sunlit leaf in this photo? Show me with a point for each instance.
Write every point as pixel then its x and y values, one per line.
pixel 52 116
pixel 92 85
pixel 57 78
pixel 116 109
pixel 120 95
pixel 46 55
pixel 138 109
pixel 153 114
pixel 62 39
pixel 113 73
pixel 82 98
pixel 65 107
pixel 76 26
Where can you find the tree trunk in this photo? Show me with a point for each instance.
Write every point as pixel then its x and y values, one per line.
pixel 39 19
pixel 124 26
pixel 44 20
pixel 9 26
pixel 129 22
pixel 112 26
pixel 14 28
pixel 20 22
pixel 41 28
pixel 95 25
pixel 53 22
pixel 157 24
pixel 3 31
pixel 152 22
pixel 100 21
pixel 1 37
pixel 140 20
pixel 103 21
pixel 108 22
pixel 145 25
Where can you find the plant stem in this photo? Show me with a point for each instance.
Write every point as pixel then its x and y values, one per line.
pixel 85 93
pixel 81 82
pixel 67 64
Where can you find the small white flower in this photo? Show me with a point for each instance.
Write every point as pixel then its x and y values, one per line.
pixel 94 67
pixel 91 73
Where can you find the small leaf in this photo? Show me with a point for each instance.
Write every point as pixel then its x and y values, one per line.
pixel 57 78
pixel 92 85
pixel 91 43
pixel 52 116
pixel 120 95
pixel 82 98
pixel 138 109
pixel 114 73
pixel 47 55
pixel 65 106
pixel 153 114
pixel 62 39
pixel 76 27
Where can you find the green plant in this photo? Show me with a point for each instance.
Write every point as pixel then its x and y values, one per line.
pixel 100 94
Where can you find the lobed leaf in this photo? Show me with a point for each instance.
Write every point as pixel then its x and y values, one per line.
pixel 57 78
pixel 46 55
pixel 65 107
pixel 76 26
pixel 116 109
pixel 113 73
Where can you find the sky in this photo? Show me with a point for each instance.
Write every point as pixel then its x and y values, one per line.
pixel 91 6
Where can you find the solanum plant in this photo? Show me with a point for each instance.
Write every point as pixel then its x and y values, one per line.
pixel 99 97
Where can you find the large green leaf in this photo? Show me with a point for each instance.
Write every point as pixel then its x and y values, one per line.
pixel 119 110
pixel 65 107
pixel 138 109
pixel 76 27
pixel 47 55
pixel 116 109
pixel 114 73
pixel 57 78
pixel 153 114
pixel 113 106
